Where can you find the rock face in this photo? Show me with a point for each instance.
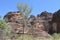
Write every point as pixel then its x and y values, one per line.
pixel 12 16
pixel 15 21
pixel 38 26
pixel 39 30
pixel 56 22
pixel 45 18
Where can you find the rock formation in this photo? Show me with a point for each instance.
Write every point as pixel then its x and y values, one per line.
pixel 56 22
pixel 15 21
pixel 45 18
pixel 38 26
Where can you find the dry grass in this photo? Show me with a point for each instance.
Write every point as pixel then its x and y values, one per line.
pixel 30 37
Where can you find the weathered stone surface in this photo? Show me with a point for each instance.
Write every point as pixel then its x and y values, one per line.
pixel 35 25
pixel 12 16
pixel 16 28
pixel 56 22
pixel 45 18
pixel 32 19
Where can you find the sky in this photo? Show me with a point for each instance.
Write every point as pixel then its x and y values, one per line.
pixel 37 5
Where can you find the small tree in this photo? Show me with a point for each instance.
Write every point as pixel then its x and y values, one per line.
pixel 25 11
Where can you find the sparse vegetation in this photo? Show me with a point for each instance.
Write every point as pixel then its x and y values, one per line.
pixel 30 37
pixel 5 32
pixel 2 24
pixel 25 11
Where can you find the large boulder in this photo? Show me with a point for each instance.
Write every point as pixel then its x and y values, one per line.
pixel 45 18
pixel 16 22
pixel 39 30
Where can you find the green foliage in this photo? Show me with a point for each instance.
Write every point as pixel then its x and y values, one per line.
pixel 2 24
pixel 8 31
pixel 56 36
pixel 4 27
pixel 24 9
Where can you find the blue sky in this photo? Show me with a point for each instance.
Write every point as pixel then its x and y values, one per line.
pixel 37 5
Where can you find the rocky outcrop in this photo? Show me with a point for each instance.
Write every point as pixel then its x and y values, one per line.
pixel 38 26
pixel 56 22
pixel 12 16
pixel 45 18
pixel 15 21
